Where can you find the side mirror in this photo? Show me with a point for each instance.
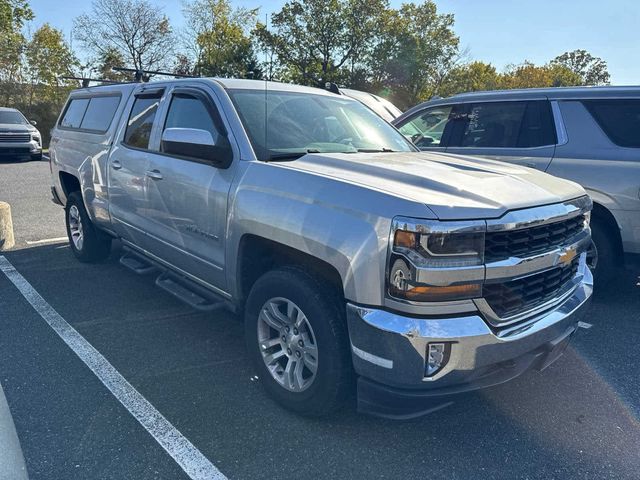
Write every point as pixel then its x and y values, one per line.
pixel 197 144
pixel 33 122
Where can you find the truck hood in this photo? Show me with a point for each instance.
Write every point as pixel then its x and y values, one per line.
pixel 16 128
pixel 454 187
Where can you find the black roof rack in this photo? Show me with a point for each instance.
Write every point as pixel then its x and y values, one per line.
pixel 144 75
pixel 86 80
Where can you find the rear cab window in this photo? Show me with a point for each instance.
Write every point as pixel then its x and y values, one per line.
pixel 618 118
pixel 92 114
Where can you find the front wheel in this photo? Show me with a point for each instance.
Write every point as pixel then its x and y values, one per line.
pixel 87 243
pixel 297 339
pixel 602 255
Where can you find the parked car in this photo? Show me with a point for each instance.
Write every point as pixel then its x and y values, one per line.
pixel 19 138
pixel 347 249
pixel 588 135
pixel 379 105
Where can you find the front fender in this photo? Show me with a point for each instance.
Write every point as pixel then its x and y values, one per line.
pixel 345 225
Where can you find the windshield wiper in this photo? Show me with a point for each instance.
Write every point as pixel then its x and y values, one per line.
pixel 291 155
pixel 376 150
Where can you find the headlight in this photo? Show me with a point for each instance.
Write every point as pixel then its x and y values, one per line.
pixel 35 137
pixel 452 249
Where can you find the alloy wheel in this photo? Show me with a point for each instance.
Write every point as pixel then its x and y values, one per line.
pixel 287 344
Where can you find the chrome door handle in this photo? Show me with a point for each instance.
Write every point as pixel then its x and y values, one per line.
pixel 155 174
pixel 530 165
pixel 116 165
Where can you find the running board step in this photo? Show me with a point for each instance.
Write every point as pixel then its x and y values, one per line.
pixel 189 292
pixel 137 263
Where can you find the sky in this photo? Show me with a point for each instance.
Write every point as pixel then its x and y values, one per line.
pixel 499 32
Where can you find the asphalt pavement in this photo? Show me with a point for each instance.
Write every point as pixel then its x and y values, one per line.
pixel 576 420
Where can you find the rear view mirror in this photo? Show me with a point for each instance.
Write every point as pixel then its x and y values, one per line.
pixel 33 122
pixel 197 144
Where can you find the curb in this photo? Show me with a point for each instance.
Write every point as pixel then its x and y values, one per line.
pixel 7 239
pixel 12 466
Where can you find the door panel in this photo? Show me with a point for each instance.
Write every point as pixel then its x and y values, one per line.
pixel 188 197
pixel 127 193
pixel 127 165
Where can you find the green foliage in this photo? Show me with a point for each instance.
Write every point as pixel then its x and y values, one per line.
pixel 49 58
pixel 219 39
pixel 528 75
pixel 13 15
pixel 407 54
pixel 591 70
pixel 470 77
pixel 105 62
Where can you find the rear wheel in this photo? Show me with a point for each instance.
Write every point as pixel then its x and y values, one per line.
pixel 297 339
pixel 87 243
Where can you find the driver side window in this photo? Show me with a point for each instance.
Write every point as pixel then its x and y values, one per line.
pixel 426 129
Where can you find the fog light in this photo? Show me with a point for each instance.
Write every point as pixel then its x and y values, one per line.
pixel 437 357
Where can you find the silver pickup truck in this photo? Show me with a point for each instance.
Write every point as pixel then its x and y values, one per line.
pixel 354 258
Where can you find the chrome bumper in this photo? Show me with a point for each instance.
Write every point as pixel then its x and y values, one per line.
pixel 390 349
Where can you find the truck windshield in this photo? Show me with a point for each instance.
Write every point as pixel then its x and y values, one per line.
pixel 11 117
pixel 296 123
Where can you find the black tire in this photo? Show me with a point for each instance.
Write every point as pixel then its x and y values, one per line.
pixel 325 312
pixel 37 157
pixel 606 252
pixel 96 245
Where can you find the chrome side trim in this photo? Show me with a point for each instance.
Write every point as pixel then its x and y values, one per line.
pixel 561 131
pixel 531 217
pixel 371 358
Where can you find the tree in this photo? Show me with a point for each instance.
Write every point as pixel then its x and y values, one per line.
pixel 136 29
pixel 470 77
pixel 417 49
pixel 528 75
pixel 105 63
pixel 49 58
pixel 13 15
pixel 318 41
pixel 218 39
pixel 591 70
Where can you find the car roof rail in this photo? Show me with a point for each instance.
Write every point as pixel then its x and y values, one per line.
pixel 145 75
pixel 87 80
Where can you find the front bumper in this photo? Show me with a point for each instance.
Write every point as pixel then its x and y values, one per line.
pixel 389 352
pixel 26 149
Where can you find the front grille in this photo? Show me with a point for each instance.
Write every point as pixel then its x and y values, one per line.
pixel 516 296
pixel 14 137
pixel 530 241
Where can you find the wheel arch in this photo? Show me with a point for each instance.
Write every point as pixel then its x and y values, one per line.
pixel 604 216
pixel 257 255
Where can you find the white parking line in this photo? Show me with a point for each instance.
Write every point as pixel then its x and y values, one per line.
pixel 46 240
pixel 192 461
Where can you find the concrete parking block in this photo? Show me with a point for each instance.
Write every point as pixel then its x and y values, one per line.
pixel 7 239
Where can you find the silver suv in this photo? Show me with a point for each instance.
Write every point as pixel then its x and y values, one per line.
pixel 19 138
pixel 348 250
pixel 588 135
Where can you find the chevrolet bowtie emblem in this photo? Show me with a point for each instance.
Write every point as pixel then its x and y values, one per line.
pixel 567 256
